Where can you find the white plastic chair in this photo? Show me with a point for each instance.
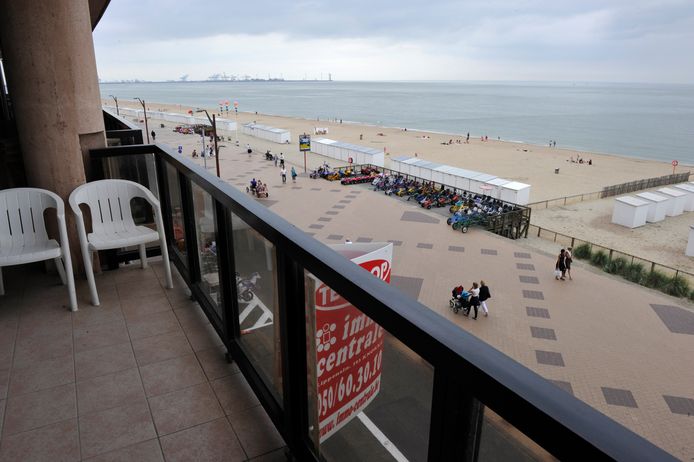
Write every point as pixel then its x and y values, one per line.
pixel 112 223
pixel 23 237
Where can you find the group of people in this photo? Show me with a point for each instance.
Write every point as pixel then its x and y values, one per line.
pixel 563 266
pixel 258 188
pixel 579 160
pixel 210 153
pixel 479 294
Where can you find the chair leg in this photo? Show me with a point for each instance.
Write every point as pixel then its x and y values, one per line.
pixel 61 271
pixel 70 282
pixel 143 256
pixel 167 263
pixel 88 258
pixel 2 285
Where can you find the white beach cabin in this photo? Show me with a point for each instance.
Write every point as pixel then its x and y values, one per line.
pixel 496 185
pixel 477 182
pixel 657 208
pixel 277 135
pixel 516 193
pixel 689 189
pixel 690 243
pixel 678 196
pixel 630 211
pixel 396 163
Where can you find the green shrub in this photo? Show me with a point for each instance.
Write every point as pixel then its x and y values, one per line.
pixel 679 287
pixel 633 272
pixel 615 266
pixel 656 280
pixel 691 295
pixel 599 259
pixel 582 252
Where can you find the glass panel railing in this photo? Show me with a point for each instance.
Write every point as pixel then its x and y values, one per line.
pixel 177 214
pixel 501 441
pixel 369 394
pixel 256 286
pixel 206 231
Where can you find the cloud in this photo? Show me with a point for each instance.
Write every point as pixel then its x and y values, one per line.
pixel 407 39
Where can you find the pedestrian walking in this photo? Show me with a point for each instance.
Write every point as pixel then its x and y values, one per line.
pixel 195 153
pixel 283 172
pixel 293 175
pixel 569 260
pixel 485 295
pixel 475 297
pixel 154 136
pixel 281 159
pixel 560 266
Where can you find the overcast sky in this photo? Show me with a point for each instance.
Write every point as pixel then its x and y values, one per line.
pixel 556 40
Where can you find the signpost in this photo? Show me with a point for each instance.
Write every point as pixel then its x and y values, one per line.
pixel 304 146
pixel 348 348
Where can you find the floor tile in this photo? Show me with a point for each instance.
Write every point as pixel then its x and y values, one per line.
pixel 680 405
pixel 543 333
pixel 212 441
pixel 152 324
pixel 537 312
pixel 191 317
pixel 456 248
pixel 618 397
pixel 550 358
pixel 525 266
pixel 533 294
pixel 528 279
pixel 2 415
pixel 33 410
pixel 255 431
pixel 278 455
pixel 215 364
pixel 100 335
pixel 4 383
pixel 108 391
pixel 102 361
pixel 676 319
pixel 203 338
pixel 115 428
pixel 41 375
pixel 419 217
pixel 172 374
pixel 161 347
pixel 234 393
pixel 38 348
pixel 89 315
pixel 58 442
pixel 145 305
pixel 185 408
pixel 147 451
pixel 566 386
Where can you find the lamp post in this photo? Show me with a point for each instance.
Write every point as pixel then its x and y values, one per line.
pixel 213 121
pixel 116 100
pixel 236 111
pixel 145 109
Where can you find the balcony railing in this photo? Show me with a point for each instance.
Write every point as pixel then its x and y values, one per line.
pixel 444 394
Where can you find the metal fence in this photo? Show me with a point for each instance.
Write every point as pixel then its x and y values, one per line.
pixel 565 240
pixel 444 394
pixel 609 191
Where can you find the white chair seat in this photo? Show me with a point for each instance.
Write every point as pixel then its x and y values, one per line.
pixel 121 238
pixel 28 253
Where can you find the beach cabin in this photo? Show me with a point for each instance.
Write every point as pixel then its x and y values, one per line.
pixel 396 163
pixel 478 181
pixel 495 185
pixel 276 135
pixel 690 243
pixel 689 189
pixel 630 211
pixel 658 206
pixel 347 152
pixel 516 193
pixel 678 198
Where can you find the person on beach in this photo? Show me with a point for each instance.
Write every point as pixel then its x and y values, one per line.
pixel 484 296
pixel 154 136
pixel 467 138
pixel 569 260
pixel 283 172
pixel 474 298
pixel 293 175
pixel 560 266
pixel 195 153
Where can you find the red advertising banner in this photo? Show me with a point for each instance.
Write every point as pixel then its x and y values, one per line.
pixel 349 345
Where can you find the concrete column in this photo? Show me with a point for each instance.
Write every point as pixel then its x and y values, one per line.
pixel 49 61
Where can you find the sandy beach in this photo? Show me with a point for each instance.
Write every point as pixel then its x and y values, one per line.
pixel 530 164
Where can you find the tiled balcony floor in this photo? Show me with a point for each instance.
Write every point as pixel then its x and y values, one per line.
pixel 140 378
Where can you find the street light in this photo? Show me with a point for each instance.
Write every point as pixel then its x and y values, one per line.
pixel 213 121
pixel 145 109
pixel 116 100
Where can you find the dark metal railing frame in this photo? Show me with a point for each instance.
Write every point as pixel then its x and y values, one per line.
pixel 467 370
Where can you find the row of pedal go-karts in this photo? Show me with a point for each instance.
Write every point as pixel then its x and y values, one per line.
pixel 347 175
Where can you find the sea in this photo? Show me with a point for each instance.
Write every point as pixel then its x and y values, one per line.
pixel 648 121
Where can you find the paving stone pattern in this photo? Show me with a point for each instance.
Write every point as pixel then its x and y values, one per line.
pixel 488 252
pixel 550 358
pixel 543 333
pixel 534 294
pixel 618 397
pixel 676 319
pixel 525 266
pixel 537 312
pixel 529 279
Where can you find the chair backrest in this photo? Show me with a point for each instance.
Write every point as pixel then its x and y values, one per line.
pixel 109 203
pixel 21 215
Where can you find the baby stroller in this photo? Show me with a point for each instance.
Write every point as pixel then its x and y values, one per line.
pixel 461 300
